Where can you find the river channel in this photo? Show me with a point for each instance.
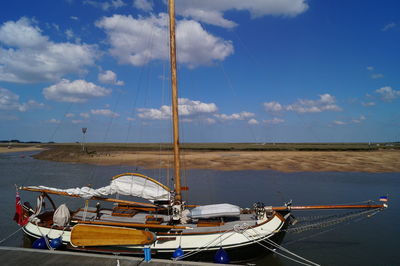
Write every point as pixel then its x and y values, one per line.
pixel 368 241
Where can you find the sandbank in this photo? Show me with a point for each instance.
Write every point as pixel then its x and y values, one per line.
pixel 19 149
pixel 285 161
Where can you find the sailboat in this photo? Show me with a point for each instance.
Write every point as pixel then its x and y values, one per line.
pixel 165 226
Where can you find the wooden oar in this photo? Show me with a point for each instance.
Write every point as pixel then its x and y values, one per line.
pixel 99 235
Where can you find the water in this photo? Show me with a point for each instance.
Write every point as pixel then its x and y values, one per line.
pixel 372 241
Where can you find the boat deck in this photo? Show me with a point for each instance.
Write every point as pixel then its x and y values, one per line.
pixel 140 218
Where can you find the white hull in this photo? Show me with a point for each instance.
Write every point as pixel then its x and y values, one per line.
pixel 240 234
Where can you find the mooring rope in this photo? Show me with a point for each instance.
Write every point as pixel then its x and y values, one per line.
pixel 206 246
pixel 44 236
pixel 197 250
pixel 238 228
pixel 244 228
pixel 6 238
pixel 288 251
pixel 283 255
pixel 306 262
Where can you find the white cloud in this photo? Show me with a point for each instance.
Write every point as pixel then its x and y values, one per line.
pixel 85 115
pixel 145 5
pixel 77 91
pixel 340 123
pixel 210 121
pixel 139 41
pixel 236 116
pixel 186 120
pixel 374 75
pixel 105 5
pixel 187 108
pixel 358 120
pixel 388 94
pixel 389 26
pixel 130 119
pixel 155 114
pixel 28 56
pixel 53 121
pixel 104 112
pixel 10 101
pixel 253 122
pixel 69 115
pixel 22 34
pixel 349 122
pixel 273 107
pixel 109 77
pixel 74 18
pixel 274 121
pixel 70 34
pixel 368 103
pixel 377 76
pixel 77 121
pixel 212 17
pixel 55 26
pixel 212 12
pixel 326 102
pixel 31 104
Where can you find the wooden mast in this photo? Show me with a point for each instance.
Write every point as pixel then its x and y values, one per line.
pixel 175 117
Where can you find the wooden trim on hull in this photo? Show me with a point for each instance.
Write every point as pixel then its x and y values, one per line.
pixel 135 225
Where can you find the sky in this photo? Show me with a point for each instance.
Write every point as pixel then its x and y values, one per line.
pixel 248 71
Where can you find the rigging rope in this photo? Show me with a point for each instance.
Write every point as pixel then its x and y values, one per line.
pixel 317 222
pixel 354 218
pixel 322 222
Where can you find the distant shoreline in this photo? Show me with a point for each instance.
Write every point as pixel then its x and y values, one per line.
pixel 19 149
pixel 374 161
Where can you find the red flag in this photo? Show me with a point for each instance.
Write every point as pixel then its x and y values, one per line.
pixel 19 212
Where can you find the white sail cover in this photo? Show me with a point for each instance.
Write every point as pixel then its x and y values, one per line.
pixel 126 184
pixel 215 210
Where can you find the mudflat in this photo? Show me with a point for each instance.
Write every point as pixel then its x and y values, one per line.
pixel 19 149
pixel 285 161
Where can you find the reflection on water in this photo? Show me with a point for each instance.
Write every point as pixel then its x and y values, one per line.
pixel 371 241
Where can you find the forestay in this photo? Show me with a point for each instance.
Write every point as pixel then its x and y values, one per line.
pixel 129 184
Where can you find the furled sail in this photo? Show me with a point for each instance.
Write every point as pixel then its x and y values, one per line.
pixel 129 184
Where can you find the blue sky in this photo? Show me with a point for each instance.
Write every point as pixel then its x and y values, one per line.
pixel 249 71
